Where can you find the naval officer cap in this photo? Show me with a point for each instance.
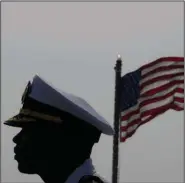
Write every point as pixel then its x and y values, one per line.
pixel 41 101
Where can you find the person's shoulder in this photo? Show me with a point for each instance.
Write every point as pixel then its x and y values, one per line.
pixel 91 179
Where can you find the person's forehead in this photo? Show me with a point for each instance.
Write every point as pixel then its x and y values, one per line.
pixel 40 126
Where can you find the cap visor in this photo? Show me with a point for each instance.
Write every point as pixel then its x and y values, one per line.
pixel 19 121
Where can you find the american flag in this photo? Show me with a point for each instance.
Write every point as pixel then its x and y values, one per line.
pixel 149 91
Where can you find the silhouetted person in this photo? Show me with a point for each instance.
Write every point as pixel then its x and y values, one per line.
pixel 57 136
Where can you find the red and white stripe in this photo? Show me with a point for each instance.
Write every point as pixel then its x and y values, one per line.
pixel 161 88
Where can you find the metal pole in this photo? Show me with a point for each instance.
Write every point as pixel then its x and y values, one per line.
pixel 116 120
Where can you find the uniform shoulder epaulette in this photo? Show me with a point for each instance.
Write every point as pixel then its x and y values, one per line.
pixel 90 179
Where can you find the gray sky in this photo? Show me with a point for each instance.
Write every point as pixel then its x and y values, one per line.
pixel 74 46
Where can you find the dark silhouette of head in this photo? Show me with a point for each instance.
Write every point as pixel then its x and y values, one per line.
pixel 48 148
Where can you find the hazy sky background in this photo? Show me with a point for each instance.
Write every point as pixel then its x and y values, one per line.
pixel 74 46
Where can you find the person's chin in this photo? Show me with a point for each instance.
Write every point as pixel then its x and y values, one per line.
pixel 25 169
pixel 24 166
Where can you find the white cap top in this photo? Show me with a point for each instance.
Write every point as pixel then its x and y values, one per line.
pixel 78 107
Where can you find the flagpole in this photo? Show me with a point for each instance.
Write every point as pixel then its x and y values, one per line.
pixel 115 157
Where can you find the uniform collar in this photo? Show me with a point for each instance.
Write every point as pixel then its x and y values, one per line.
pixel 86 168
